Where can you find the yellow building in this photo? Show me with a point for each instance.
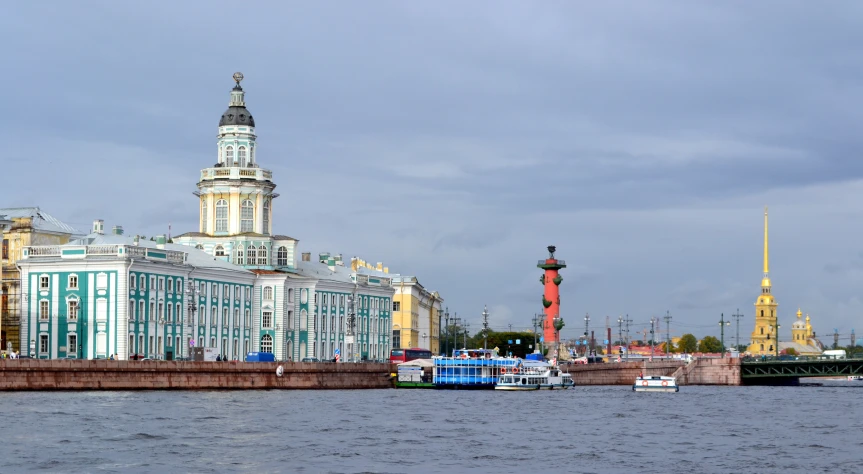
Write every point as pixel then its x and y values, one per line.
pixel 803 339
pixel 24 226
pixel 766 327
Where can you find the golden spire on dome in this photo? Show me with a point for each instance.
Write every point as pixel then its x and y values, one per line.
pixel 766 281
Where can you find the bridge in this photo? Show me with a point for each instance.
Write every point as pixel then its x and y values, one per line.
pixel 775 371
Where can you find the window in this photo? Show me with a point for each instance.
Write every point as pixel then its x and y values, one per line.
pixel 236 317
pixel 226 291
pixel 161 311
pixel 132 281
pixel 212 342
pixel 221 215
pixel 152 314
pixel 131 310
pixel 397 305
pixel 43 283
pixel 161 284
pixel 73 310
pixel 143 282
pixel 266 343
pixel 266 216
pixel 268 292
pixel 169 315
pixel 247 346
pixel 250 255
pixel 204 215
pixel 43 310
pixel 201 341
pixel 203 289
pixel 170 285
pixel 225 317
pixel 247 293
pixel 202 316
pixel 262 255
pixel 215 290
pixel 248 319
pixel 239 255
pixel 290 320
pixel 224 346
pixel 247 216
pixel 324 300
pixel 214 315
pixel 179 286
pixel 290 295
pixel 43 343
pixel 229 156
pixel 179 314
pixel 267 319
pixel 5 254
pixel 220 251
pixel 141 344
pixel 282 256
pixel 152 283
pixel 141 310
pixel 242 155
pixel 236 348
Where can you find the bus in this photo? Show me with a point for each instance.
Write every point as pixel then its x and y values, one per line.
pixel 397 356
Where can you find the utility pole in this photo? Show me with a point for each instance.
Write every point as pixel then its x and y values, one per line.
pixel 586 326
pixel 456 321
pixel 466 327
pixel 627 321
pixel 620 330
pixel 653 322
pixel 835 339
pixel 446 338
pixel 737 316
pixel 485 327
pixel 667 319
pixel 536 322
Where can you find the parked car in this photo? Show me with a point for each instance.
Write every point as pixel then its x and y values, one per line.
pixel 310 359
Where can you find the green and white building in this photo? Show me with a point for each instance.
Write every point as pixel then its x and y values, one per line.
pixel 233 284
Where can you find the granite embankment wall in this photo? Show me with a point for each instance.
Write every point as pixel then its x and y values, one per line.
pixel 698 372
pixel 33 374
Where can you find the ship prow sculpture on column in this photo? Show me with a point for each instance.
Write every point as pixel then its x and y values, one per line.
pixel 552 321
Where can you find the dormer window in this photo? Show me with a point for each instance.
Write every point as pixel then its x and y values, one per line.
pixel 220 251
pixel 229 155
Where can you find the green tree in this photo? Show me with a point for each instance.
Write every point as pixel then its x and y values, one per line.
pixel 687 343
pixel 709 344
pixel 791 351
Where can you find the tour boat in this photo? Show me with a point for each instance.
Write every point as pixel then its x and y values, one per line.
pixel 655 383
pixel 855 378
pixel 471 369
pixel 533 375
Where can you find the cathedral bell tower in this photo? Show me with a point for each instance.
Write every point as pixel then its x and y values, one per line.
pixel 764 334
pixel 236 194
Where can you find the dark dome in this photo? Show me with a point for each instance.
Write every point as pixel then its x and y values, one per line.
pixel 237 115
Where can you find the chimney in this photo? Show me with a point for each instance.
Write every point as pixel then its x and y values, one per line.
pixel 338 259
pixel 379 267
pixel 307 256
pixel 117 230
pixel 160 241
pixel 135 241
pixel 355 263
pixel 98 226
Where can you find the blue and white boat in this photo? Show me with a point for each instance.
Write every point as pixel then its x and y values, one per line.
pixel 655 383
pixel 472 369
pixel 534 375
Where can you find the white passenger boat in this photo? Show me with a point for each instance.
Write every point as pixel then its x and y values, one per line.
pixel 533 375
pixel 855 378
pixel 655 383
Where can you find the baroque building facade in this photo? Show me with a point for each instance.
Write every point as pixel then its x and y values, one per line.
pixel 233 284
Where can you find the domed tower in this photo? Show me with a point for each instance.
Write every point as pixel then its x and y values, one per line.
pixel 236 194
pixel 798 329
pixel 764 334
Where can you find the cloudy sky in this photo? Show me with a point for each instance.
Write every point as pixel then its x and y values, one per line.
pixel 456 140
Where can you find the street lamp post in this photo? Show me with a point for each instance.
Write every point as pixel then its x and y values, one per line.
pixel 586 332
pixel 537 321
pixel 192 296
pixel 722 324
pixel 446 339
pixel 424 340
pixel 652 338
pixel 456 321
pixel 466 328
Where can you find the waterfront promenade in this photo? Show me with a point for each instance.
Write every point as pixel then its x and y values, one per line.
pixel 35 374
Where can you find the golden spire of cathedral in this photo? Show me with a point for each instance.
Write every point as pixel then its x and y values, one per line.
pixel 766 281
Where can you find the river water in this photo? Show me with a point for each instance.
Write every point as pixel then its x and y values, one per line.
pixel 586 429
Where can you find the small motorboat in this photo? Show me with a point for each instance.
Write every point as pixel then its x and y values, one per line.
pixel 855 378
pixel 655 383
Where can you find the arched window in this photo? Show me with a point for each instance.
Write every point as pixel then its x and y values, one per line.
pixel 282 256
pixel 262 255
pixel 762 331
pixel 247 321
pixel 268 292
pixel 266 216
pixel 239 255
pixel 242 155
pixel 250 255
pixel 267 343
pixel 203 216
pixel 762 313
pixel 220 251
pixel 236 317
pixel 229 156
pixel 214 316
pixel 247 216
pixel 221 215
pixel 199 247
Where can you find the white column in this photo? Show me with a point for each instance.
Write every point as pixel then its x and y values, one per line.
pixel 54 348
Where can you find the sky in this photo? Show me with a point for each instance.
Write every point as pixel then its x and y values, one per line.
pixel 455 140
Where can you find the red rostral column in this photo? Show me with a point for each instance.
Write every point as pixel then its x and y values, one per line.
pixel 551 297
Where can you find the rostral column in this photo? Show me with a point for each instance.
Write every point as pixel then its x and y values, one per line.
pixel 552 322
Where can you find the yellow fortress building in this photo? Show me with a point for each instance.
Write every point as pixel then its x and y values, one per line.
pixel 764 336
